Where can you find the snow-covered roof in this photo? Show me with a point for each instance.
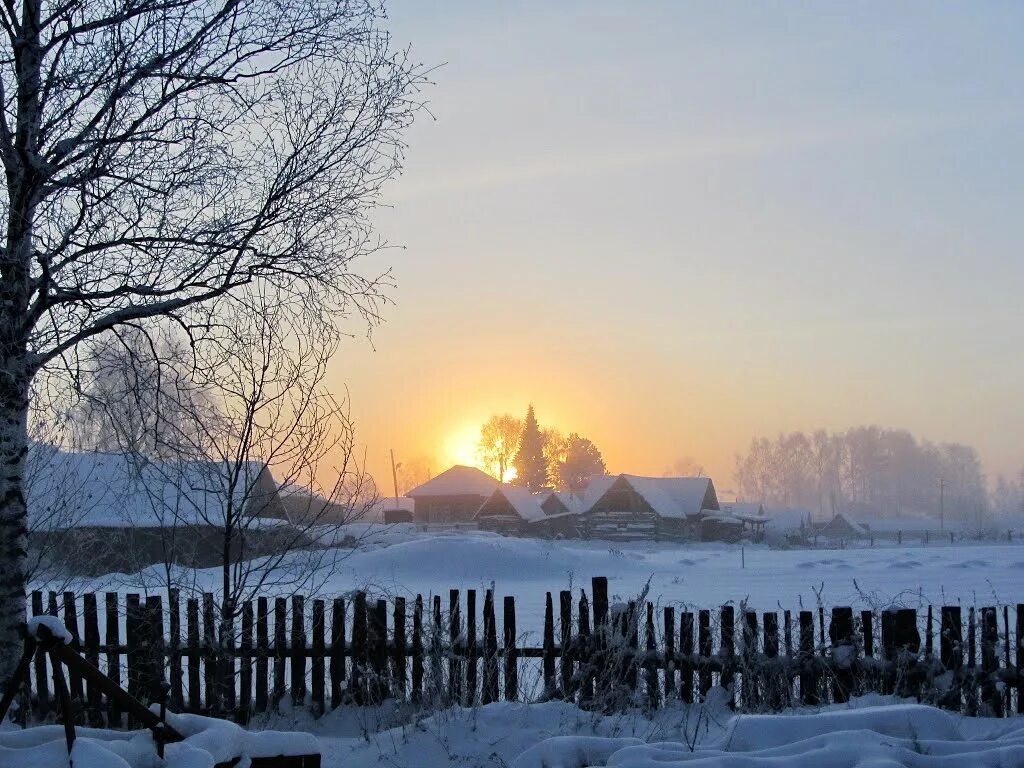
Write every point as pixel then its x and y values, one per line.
pixel 836 524
pixel 67 490
pixel 526 504
pixel 457 481
pixel 739 508
pixel 673 497
pixel 569 503
pixel 597 486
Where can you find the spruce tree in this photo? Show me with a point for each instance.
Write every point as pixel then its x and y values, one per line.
pixel 530 463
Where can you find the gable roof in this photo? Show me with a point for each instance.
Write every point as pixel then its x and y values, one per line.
pixel 525 504
pixel 67 490
pixel 597 486
pixel 840 523
pixel 457 481
pixel 674 497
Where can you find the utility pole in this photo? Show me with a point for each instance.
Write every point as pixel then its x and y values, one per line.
pixel 942 503
pixel 394 475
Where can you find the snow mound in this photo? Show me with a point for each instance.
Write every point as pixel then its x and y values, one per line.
pixel 897 736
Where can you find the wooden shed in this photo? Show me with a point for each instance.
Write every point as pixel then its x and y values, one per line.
pixel 454 496
pixel 631 507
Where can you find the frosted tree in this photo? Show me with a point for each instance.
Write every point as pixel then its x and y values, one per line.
pixel 582 460
pixel 499 441
pixel 530 462
pixel 160 157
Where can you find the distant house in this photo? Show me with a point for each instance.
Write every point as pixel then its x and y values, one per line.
pixel 841 528
pixel 128 512
pixel 751 518
pixel 454 496
pixel 561 503
pixel 630 507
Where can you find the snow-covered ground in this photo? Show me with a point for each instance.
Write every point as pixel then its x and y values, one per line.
pixel 867 733
pixel 400 560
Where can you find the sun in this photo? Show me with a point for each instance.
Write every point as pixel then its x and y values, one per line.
pixel 460 446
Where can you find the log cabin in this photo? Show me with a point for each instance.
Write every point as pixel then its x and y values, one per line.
pixel 632 508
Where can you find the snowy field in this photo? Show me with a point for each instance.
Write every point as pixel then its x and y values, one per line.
pixel 402 561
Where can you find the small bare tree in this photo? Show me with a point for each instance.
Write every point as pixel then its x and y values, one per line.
pixel 161 156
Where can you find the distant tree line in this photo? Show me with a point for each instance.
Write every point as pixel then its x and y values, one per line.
pixel 868 471
pixel 543 458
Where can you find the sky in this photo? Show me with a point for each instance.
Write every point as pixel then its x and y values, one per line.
pixel 674 226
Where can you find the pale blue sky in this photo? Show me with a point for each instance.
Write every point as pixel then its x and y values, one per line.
pixel 675 225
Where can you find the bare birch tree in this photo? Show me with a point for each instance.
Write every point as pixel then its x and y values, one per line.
pixel 160 155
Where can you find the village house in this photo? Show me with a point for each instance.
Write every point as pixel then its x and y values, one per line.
pixel 454 496
pixel 94 513
pixel 841 529
pixel 514 510
pixel 630 507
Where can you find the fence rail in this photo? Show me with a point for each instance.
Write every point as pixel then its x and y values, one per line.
pixel 347 652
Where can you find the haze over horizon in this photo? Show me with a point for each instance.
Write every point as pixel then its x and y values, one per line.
pixel 677 229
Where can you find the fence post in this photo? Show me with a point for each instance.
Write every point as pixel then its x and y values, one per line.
pixel 669 622
pixel 132 642
pixel 245 665
pixel 844 653
pixel 471 653
pixel 490 687
pixel 174 648
pixel 42 686
pixel 212 666
pixel 318 661
pixel 454 649
pixel 774 679
pixel 298 648
pixel 337 650
pixel 195 703
pixel 280 648
pixel 750 682
pixel 436 649
pixel 379 652
pixel 704 646
pixel 808 677
pixel 417 649
pixel 154 629
pixel 651 660
pixel 511 655
pixel 728 652
pixel 262 653
pixel 972 664
pixel 91 652
pixel 359 649
pixel 990 697
pixel 585 652
pixel 549 648
pixel 74 679
pixel 1019 637
pixel 951 653
pixel 566 644
pixel 686 638
pixel 399 646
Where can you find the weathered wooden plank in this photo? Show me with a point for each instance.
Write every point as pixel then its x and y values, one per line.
pixel 177 695
pixel 39 664
pixel 565 642
pixel 669 630
pixel 585 652
pixel 990 698
pixel 399 668
pixel 704 650
pixel 280 648
pixel 843 653
pixel 211 663
pixel 808 677
pixel 75 687
pixel 298 660
pixel 318 693
pixel 337 670
pixel 132 621
pixel 378 641
pixel 471 649
pixel 454 661
pixel 360 650
pixel 650 661
pixel 489 693
pixel 417 649
pixel 195 703
pixel 511 657
pixel 549 647
pixel 245 665
pixel 262 654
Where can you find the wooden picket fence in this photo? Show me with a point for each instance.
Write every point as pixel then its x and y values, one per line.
pixel 603 656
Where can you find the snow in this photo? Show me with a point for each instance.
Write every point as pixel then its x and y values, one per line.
pixel 53 625
pixel 208 741
pixel 671 497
